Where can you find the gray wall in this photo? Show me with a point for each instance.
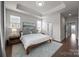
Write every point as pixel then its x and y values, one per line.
pixel 0 32
pixel 24 18
pixel 2 28
pixel 78 26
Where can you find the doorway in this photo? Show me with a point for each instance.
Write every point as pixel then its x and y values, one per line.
pixel 73 31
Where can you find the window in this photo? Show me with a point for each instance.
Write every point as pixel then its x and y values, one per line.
pixel 39 26
pixel 14 21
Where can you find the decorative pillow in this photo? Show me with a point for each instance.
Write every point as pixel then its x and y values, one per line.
pixel 26 31
pixel 34 31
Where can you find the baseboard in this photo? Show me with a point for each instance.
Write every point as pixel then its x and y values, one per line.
pixel 63 39
pixel 56 41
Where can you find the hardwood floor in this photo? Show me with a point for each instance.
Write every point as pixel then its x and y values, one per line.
pixel 8 50
pixel 69 49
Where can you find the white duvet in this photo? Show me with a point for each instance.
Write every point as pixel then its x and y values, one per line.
pixel 32 39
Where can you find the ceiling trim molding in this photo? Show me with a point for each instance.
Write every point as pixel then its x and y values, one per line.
pixel 22 12
pixel 27 9
pixel 36 13
pixel 61 6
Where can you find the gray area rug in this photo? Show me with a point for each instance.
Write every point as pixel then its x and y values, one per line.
pixel 44 50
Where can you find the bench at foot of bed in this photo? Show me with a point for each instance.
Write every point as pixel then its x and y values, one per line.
pixel 33 46
pixel 49 41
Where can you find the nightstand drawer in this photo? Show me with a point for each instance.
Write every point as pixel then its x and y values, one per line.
pixel 13 40
pixel 14 37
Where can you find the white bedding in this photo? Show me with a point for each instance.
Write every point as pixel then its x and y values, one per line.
pixel 32 39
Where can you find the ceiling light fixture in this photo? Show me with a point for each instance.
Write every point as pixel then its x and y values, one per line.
pixel 40 3
pixel 69 14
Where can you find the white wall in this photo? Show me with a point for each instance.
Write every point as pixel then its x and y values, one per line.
pixel 44 25
pixel 55 20
pixel 62 25
pixel 24 18
pixel 58 22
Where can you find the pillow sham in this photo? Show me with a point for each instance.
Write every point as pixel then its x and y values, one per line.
pixel 26 31
pixel 34 31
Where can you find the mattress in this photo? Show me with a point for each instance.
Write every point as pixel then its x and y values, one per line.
pixel 32 39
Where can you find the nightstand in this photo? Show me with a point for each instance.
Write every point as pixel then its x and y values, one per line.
pixel 14 40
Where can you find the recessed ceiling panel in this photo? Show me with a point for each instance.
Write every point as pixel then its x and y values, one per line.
pixel 48 5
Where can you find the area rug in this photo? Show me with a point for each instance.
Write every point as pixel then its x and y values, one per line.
pixel 44 50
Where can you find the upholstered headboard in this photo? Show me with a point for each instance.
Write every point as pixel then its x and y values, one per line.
pixel 28 28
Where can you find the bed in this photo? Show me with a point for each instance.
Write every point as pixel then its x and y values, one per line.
pixel 30 38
